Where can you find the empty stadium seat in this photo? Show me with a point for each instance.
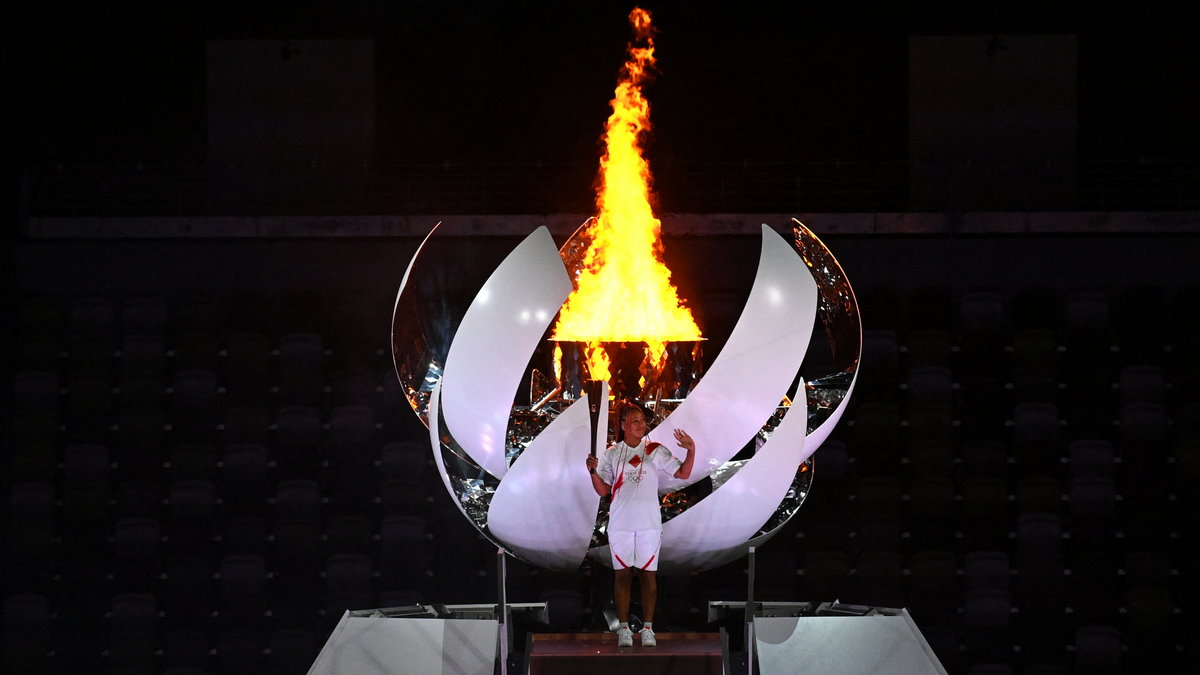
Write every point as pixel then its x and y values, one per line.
pixel 36 390
pixel 1091 457
pixel 31 462
pixel 191 515
pixel 192 461
pixel 985 512
pixel 1098 650
pixel 244 533
pixel 299 436
pixel 932 522
pixel 352 475
pixel 878 373
pixel 187 591
pixel 931 307
pixel 987 623
pixel 198 350
pixel 301 373
pixel 350 534
pixel 27 626
pixel 245 478
pixel 240 650
pixel 930 347
pixel 195 405
pixel 248 367
pixel 87 486
pixel 826 574
pixel 873 440
pixel 406 551
pixel 89 406
pixel 1142 383
pixel 186 650
pixel 244 423
pixel 349 585
pixel 134 632
pixel 137 554
pixel 30 536
pixel 1039 493
pixel 987 569
pixel 930 386
pixel 879 579
pixel 242 598
pixel 293 650
pixel 934 585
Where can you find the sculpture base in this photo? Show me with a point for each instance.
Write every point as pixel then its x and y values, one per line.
pixel 588 653
pixel 848 645
pixel 383 645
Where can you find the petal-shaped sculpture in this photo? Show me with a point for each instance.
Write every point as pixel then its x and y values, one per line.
pixel 435 439
pixel 499 332
pixel 545 508
pixel 755 368
pixel 716 530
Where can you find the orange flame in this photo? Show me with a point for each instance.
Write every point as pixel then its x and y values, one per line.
pixel 624 291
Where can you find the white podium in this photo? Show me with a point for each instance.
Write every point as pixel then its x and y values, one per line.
pixel 457 639
pixel 367 645
pixel 847 645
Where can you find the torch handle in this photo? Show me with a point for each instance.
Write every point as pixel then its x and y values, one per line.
pixel 592 389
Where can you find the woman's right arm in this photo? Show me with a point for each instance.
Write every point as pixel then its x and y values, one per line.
pixel 598 483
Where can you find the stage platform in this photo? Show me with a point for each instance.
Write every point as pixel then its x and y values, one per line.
pixel 588 653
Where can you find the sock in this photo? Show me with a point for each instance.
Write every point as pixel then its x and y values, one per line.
pixel 648 625
pixel 624 624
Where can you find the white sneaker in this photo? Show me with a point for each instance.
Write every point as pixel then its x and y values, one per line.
pixel 624 637
pixel 648 639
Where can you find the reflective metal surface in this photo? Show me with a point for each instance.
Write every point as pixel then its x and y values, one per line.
pixel 837 310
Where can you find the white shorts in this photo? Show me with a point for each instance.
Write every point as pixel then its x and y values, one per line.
pixel 635 548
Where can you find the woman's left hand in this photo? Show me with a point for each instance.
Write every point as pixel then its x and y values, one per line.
pixel 685 441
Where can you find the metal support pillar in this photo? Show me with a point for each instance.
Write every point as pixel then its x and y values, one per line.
pixel 502 610
pixel 750 611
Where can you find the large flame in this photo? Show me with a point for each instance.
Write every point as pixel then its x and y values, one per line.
pixel 624 291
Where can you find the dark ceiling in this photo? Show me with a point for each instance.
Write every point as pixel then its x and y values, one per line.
pixel 495 82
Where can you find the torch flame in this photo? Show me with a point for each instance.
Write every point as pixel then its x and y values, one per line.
pixel 624 291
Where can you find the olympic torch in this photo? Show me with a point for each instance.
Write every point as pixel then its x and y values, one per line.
pixel 594 390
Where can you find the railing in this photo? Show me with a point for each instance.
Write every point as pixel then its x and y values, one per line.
pixel 534 188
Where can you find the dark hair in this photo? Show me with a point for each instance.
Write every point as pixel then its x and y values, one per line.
pixel 623 409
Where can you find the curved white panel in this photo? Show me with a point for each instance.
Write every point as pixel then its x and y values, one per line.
pixel 755 368
pixel 493 344
pixel 545 508
pixel 715 558
pixel 435 441
pixel 724 521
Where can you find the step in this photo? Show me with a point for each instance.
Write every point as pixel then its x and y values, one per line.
pixel 588 653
